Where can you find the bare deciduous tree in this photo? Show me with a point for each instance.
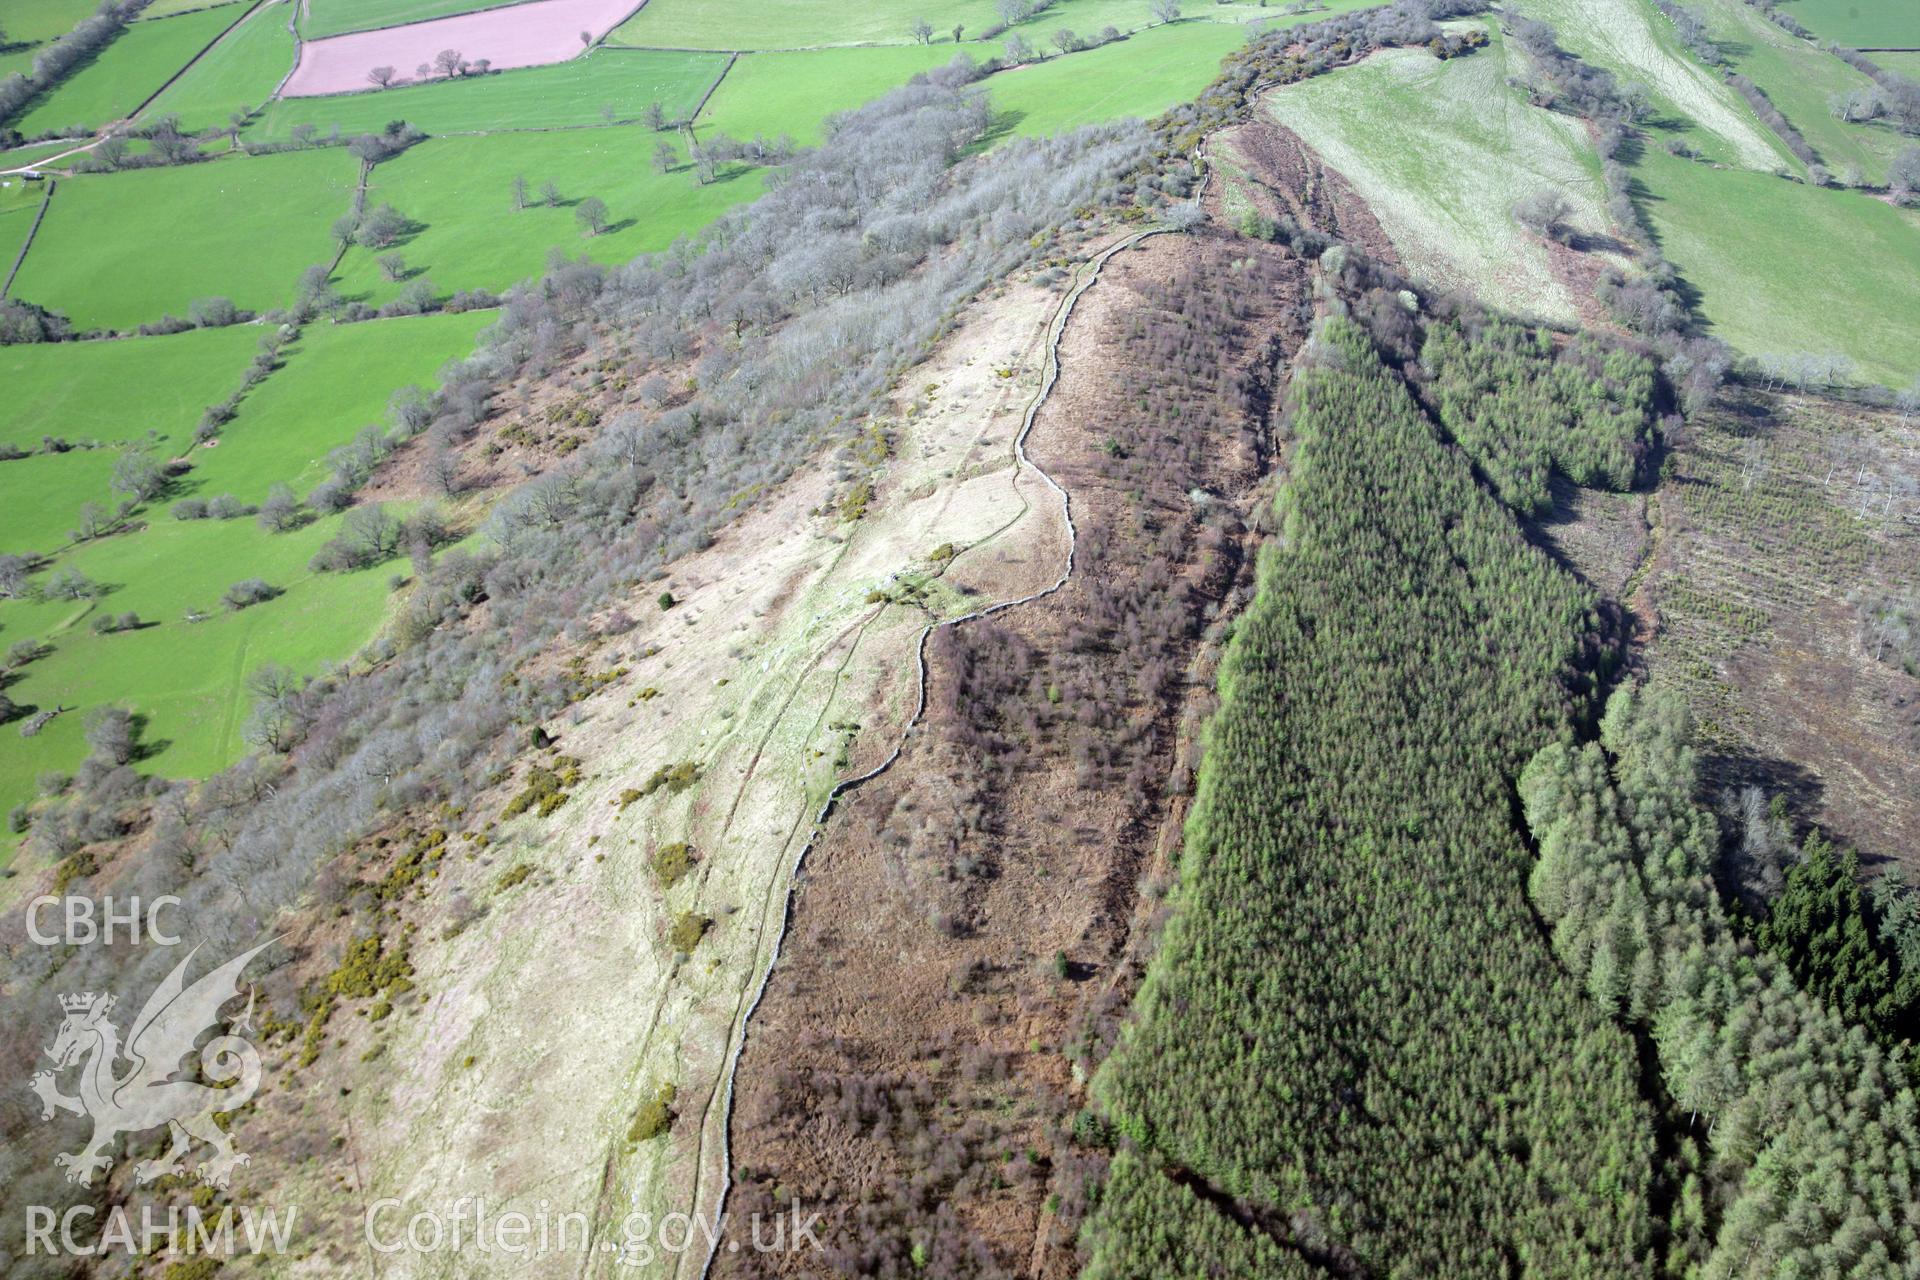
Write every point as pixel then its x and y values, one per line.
pixel 591 214
pixel 381 76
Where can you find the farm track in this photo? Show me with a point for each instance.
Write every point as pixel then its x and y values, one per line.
pixel 724 1096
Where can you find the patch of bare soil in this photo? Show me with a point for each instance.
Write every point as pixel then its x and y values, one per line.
pixel 1601 536
pixel 1783 515
pixel 969 929
pixel 1286 176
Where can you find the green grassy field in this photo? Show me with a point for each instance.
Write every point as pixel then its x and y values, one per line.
pixel 333 17
pixel 103 393
pixel 120 249
pixel 1637 43
pixel 37 20
pixel 34 152
pixel 17 61
pixel 571 93
pixel 1783 267
pixel 1142 75
pixel 19 202
pixel 335 379
pixel 60 484
pixel 1441 151
pixel 118 391
pixel 238 74
pixel 794 93
pixel 127 71
pixel 1800 79
pixel 1861 23
pixel 1907 64
pixel 168 8
pixel 793 24
pixel 807 24
pixel 460 191
pixel 187 676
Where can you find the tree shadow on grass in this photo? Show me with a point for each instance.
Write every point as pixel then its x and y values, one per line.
pixel 1001 125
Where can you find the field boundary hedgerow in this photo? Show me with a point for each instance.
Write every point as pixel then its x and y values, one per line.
pixel 733 56
pixel 205 49
pixel 46 199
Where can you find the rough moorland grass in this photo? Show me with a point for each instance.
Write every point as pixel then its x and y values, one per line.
pixel 36 20
pixel 333 17
pixel 1142 75
pixel 334 380
pixel 118 391
pixel 1861 23
pixel 238 74
pixel 579 92
pixel 121 249
pixel 1782 267
pixel 1800 78
pixel 459 192
pixel 1634 41
pixel 186 677
pixel 138 62
pixel 793 93
pixel 1440 151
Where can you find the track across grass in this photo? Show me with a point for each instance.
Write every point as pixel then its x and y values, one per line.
pixel 458 191
pixel 1637 43
pixel 120 249
pixel 238 74
pixel 1441 151
pixel 127 71
pixel 1783 267
pixel 337 17
pixel 580 92
pixel 35 152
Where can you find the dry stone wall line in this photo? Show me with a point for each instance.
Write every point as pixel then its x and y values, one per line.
pixel 1057 329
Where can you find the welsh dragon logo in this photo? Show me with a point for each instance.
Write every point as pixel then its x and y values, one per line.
pixel 145 1095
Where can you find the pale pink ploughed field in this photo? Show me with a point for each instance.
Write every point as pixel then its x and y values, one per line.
pixel 518 35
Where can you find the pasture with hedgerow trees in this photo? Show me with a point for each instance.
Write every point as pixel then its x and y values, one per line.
pixel 1044 638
